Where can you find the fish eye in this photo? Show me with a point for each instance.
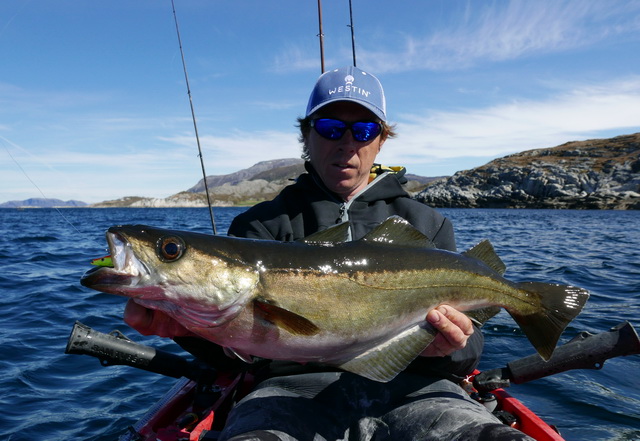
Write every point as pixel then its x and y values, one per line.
pixel 170 248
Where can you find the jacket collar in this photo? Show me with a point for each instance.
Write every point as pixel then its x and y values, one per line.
pixel 384 183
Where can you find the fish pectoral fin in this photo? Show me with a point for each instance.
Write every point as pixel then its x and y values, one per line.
pixel 484 252
pixel 235 353
pixel 386 360
pixel 285 319
pixel 482 315
pixel 397 231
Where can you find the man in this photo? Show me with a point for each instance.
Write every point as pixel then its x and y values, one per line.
pixel 343 131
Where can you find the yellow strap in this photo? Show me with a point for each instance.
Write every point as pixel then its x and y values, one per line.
pixel 378 169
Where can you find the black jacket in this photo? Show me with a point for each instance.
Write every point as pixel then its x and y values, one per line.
pixel 307 206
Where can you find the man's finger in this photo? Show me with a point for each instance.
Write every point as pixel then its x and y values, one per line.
pixel 459 319
pixel 149 322
pixel 454 329
pixel 138 317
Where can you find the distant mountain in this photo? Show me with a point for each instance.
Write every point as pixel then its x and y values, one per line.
pixel 592 174
pixel 274 170
pixel 42 203
pixel 260 182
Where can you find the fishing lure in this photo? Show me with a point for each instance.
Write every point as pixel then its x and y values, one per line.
pixel 103 261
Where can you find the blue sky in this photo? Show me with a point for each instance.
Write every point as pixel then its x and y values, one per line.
pixel 93 102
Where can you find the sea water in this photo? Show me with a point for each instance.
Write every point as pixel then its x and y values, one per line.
pixel 47 395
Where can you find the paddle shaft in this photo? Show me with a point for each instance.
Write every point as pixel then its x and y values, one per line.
pixel 585 351
pixel 116 349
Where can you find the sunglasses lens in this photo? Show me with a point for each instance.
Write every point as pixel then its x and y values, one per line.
pixel 330 128
pixel 365 131
pixel 334 129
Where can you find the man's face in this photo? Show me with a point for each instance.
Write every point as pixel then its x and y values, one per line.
pixel 343 164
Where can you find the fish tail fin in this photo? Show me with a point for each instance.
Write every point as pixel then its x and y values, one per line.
pixel 559 305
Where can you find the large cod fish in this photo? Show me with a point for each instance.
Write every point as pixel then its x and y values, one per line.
pixel 358 305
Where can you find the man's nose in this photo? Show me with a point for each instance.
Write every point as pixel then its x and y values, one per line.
pixel 348 142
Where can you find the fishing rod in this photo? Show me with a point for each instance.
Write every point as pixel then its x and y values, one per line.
pixel 321 36
pixel 193 117
pixel 353 35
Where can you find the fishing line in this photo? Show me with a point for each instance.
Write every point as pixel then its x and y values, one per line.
pixel 193 116
pixel 4 144
pixel 8 22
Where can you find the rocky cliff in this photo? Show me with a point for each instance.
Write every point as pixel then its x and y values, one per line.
pixel 593 174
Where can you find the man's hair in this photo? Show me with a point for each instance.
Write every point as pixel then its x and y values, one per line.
pixel 388 131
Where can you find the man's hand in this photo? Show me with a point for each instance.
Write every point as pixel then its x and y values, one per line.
pixel 152 322
pixel 454 329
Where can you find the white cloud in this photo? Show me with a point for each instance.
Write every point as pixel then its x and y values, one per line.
pixel 242 149
pixel 16 99
pixel 493 32
pixel 294 58
pixel 502 129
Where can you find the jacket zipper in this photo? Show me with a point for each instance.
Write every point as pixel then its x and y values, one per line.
pixel 344 207
pixel 343 214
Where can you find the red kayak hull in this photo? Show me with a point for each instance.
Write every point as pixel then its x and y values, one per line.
pixel 528 421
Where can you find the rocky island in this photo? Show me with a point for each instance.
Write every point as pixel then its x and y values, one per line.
pixel 592 174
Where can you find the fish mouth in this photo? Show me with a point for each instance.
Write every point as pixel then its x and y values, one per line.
pixel 126 273
pixel 123 257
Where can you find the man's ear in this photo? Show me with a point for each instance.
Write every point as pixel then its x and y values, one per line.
pixel 382 141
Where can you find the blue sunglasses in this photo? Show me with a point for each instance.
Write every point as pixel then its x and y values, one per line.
pixel 334 129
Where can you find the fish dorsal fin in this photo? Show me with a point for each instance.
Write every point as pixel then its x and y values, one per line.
pixel 385 361
pixel 285 319
pixel 484 252
pixel 397 231
pixel 336 234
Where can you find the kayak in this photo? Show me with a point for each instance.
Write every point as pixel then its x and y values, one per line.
pixel 513 412
pixel 184 414
pixel 196 410
pixel 526 420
